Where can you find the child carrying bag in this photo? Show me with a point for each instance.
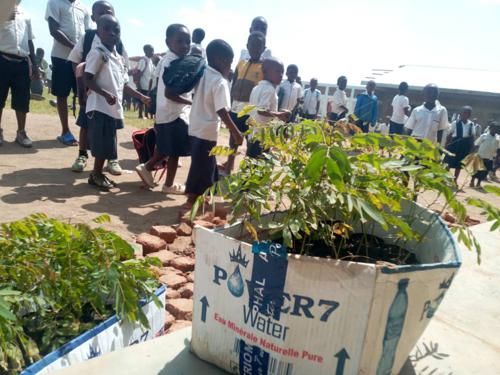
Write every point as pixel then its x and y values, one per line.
pixel 183 74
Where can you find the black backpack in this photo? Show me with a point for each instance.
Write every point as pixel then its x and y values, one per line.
pixel 87 44
pixel 184 74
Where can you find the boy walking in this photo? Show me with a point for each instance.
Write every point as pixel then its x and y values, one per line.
pixel 489 151
pixel 247 75
pixel 400 110
pixel 366 109
pixel 106 76
pixel 290 92
pixel 16 47
pixel 78 55
pixel 68 21
pixel 430 119
pixel 146 71
pixel 460 141
pixel 211 104
pixel 172 116
pixel 339 101
pixel 265 99
pixel 312 100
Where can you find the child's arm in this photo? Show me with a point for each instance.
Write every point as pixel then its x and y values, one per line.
pixel 136 94
pixel 177 98
pixel 282 115
pixel 226 119
pixel 89 80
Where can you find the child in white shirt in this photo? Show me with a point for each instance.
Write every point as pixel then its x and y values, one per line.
pixel 172 116
pixel 489 149
pixel 106 75
pixel 211 103
pixel 265 98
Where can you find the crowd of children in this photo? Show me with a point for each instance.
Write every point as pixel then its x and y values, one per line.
pixel 95 63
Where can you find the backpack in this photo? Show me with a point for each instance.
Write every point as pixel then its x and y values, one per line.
pixel 144 141
pixel 184 74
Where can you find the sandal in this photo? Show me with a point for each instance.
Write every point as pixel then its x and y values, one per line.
pixel 101 181
pixel 68 139
pixel 175 189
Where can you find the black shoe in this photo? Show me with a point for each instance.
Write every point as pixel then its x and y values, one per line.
pixel 101 181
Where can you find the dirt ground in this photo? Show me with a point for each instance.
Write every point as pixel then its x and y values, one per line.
pixel 40 180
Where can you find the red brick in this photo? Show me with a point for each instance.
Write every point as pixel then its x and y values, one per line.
pixel 184 230
pixel 167 270
pixel 187 290
pixel 166 233
pixel 181 308
pixel 185 264
pixel 173 294
pixel 178 325
pixel 180 245
pixel 164 256
pixel 189 252
pixel 169 320
pixel 190 277
pixel 204 224
pixel 150 243
pixel 173 280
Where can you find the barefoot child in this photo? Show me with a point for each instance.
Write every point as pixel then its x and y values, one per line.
pixel 211 104
pixel 106 75
pixel 78 55
pixel 247 75
pixel 264 96
pixel 172 116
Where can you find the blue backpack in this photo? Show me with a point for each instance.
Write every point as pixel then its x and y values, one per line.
pixel 183 74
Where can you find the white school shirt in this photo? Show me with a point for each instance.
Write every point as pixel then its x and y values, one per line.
pixel 488 146
pixel 468 129
pixel 339 99
pixel 210 95
pixel 73 19
pixel 292 91
pixel 15 34
pixel 76 54
pixel 110 76
pixel 167 110
pixel 245 55
pixel 426 124
pixel 147 68
pixel 263 96
pixel 311 100
pixel 399 103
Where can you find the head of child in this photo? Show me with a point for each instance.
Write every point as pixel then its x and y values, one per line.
pixel 370 87
pixel 403 88
pixel 220 57
pixel 466 113
pixel 342 83
pixel 149 51
pixel 108 30
pixel 178 39
pixel 494 128
pixel 198 36
pixel 431 93
pixel 256 45
pixel 313 83
pixel 259 24
pixel 100 8
pixel 272 70
pixel 292 72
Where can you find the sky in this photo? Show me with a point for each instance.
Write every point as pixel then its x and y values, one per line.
pixel 325 38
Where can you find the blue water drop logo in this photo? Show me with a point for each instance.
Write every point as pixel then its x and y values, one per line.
pixel 235 283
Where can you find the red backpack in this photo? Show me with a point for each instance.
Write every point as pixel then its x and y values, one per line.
pixel 144 143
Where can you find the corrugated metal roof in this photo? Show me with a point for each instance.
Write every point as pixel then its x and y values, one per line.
pixel 453 79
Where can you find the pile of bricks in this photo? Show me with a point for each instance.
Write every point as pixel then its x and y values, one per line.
pixel 174 247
